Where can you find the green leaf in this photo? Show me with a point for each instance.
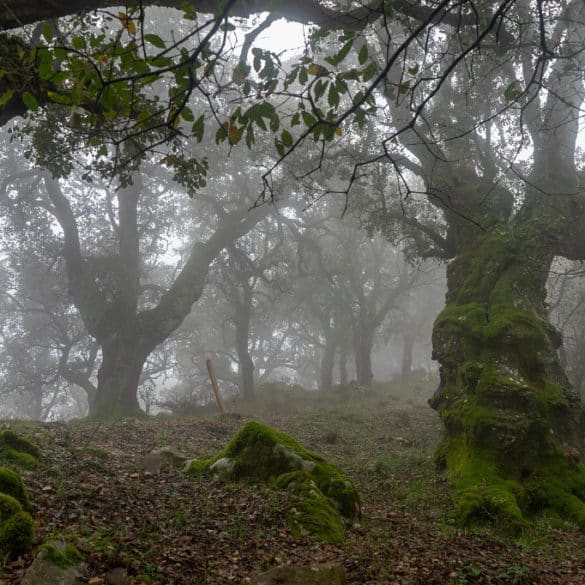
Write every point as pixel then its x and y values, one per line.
pixel 414 69
pixel 363 55
pixel 78 43
pixel 155 40
pixel 198 128
pixel 369 72
pixel 333 96
pixel 308 119
pixel 286 138
pixel 303 75
pixel 296 119
pixel 221 135
pixel 187 114
pixel 320 88
pixel 341 54
pixel 511 94
pixel 250 140
pixel 56 97
pixel 30 101
pixel 6 97
pixel 47 32
pixel 358 97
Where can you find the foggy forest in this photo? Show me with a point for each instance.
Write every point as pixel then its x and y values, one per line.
pixel 292 292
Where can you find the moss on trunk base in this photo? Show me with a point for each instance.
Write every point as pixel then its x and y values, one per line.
pixel 513 426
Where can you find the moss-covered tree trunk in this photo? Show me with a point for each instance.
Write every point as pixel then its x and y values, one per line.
pixel 513 426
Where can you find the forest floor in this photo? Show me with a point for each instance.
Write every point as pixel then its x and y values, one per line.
pixel 91 489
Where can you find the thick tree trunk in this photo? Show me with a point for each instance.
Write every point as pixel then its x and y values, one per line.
pixel 363 345
pixel 118 378
pixel 513 425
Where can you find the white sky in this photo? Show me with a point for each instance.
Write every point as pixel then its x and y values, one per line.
pixel 283 35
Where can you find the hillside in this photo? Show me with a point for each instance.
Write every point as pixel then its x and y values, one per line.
pixel 168 528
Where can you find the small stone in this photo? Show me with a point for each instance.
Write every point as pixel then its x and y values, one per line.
pixel 117 576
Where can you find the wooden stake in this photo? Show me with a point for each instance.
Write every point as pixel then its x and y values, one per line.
pixel 215 386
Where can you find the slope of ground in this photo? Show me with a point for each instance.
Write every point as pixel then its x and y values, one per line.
pixel 91 489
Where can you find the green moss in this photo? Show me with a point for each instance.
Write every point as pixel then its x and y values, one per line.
pixel 61 555
pixel 16 450
pixel 16 534
pixel 480 492
pixel 255 459
pixel 313 514
pixel 8 507
pixel 11 484
pixel 10 440
pixel 259 453
pixel 200 466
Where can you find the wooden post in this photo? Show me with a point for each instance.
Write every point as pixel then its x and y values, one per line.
pixel 215 386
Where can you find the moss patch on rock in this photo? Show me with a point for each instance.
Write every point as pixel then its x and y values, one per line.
pixel 16 534
pixel 15 449
pixel 16 524
pixel 11 484
pixel 259 453
pixel 60 554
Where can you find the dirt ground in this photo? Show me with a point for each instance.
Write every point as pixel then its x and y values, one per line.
pixel 91 489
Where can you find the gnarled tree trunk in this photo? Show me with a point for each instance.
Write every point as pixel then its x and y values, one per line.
pixel 513 425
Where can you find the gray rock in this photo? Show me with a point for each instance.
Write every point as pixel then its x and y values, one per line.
pixel 294 460
pixel 56 564
pixel 291 575
pixel 163 457
pixel 222 466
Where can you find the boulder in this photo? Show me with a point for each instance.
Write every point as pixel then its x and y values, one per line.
pixel 17 450
pixel 56 563
pixel 161 458
pixel 259 453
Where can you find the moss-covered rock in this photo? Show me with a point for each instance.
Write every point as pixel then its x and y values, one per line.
pixel 60 554
pixel 16 524
pixel 15 449
pixel 8 507
pixel 16 534
pixel 259 453
pixel 313 513
pixel 57 563
pixel 11 484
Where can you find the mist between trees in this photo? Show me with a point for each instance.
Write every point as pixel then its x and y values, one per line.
pixel 171 192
